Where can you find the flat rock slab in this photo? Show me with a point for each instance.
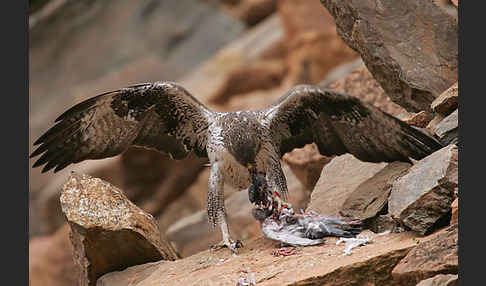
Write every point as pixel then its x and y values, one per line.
pixel 339 179
pixel 108 232
pixel 410 46
pixel 423 195
pixel 448 129
pixel 447 101
pixel 371 196
pixel 370 264
pixel 441 280
pixel 438 255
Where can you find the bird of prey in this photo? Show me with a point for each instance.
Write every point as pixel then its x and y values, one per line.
pixel 239 145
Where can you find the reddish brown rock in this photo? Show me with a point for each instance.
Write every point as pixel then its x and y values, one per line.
pixel 261 75
pixel 424 195
pixel 382 223
pixel 447 101
pixel 370 264
pixel 414 58
pixel 455 211
pixel 250 12
pixel 361 84
pixel 51 259
pixel 310 30
pixel 108 232
pixel 420 119
pixel 339 179
pixel 438 255
pixel 371 196
pixel 307 164
pixel 441 280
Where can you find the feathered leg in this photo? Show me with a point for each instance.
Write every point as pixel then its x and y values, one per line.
pixel 216 209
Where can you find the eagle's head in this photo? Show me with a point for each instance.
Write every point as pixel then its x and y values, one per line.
pixel 242 137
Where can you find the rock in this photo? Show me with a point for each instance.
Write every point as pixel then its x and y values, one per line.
pixel 424 195
pixel 50 259
pixel 250 12
pixel 361 84
pixel 433 123
pixel 447 101
pixel 415 59
pixel 307 164
pixel 455 211
pixel 438 255
pixel 420 119
pixel 260 75
pixel 382 223
pixel 370 264
pixel 207 79
pixel 448 129
pixel 310 30
pixel 371 196
pixel 441 280
pixel 192 234
pixel 108 232
pixel 338 180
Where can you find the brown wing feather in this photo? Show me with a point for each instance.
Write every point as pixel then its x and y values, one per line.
pixel 161 115
pixel 339 123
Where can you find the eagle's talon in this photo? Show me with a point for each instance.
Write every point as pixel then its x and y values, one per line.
pixel 231 245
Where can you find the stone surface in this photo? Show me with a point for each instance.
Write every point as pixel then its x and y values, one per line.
pixel 447 101
pixel 371 196
pixel 423 195
pixel 108 232
pixel 448 129
pixel 455 211
pixel 370 264
pixel 414 58
pixel 382 223
pixel 250 12
pixel 420 119
pixel 441 280
pixel 338 180
pixel 361 84
pixel 192 233
pixel 306 163
pixel 310 30
pixel 438 255
pixel 51 261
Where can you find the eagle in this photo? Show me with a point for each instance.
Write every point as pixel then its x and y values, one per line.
pixel 239 145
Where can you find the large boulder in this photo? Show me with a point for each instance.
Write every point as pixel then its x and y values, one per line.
pixel 108 232
pixel 339 179
pixel 438 255
pixel 424 195
pixel 371 196
pixel 410 46
pixel 370 264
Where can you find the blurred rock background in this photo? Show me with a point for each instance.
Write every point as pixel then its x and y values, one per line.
pixel 230 54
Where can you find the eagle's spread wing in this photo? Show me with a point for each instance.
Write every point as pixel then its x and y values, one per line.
pixel 339 123
pixel 161 115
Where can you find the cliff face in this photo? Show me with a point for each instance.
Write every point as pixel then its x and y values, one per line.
pixel 245 54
